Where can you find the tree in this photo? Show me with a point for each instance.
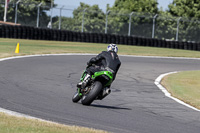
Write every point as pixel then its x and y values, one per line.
pixel 189 11
pixel 27 11
pixel 94 18
pixel 141 17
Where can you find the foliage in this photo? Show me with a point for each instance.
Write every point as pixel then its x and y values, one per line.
pixel 124 7
pixel 27 11
pixel 94 18
pixel 187 9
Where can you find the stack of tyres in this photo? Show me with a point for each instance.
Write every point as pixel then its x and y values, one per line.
pixel 163 43
pixel 113 39
pixel 91 37
pixel 104 38
pixel 117 39
pixel 198 47
pixel 70 36
pixel 125 40
pixel 134 40
pixel 108 39
pixel 83 39
pixel 44 34
pixel 24 32
pixel 31 33
pixel 121 39
pixel 3 29
pixel 35 34
pixel 185 45
pixel 176 45
pixel 58 32
pixel 95 37
pixel 19 32
pixel 139 42
pixel 11 31
pixel 100 38
pixel 78 37
pixel 130 40
pixel 87 37
pixel 62 35
pixel 7 31
pixel 158 42
pixel 0 31
pixel 39 35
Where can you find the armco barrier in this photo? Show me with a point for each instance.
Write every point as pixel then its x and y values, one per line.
pixel 26 32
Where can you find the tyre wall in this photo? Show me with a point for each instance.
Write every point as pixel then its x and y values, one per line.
pixel 26 32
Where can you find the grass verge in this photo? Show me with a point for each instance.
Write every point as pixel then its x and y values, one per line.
pixel 184 86
pixel 10 124
pixel 30 47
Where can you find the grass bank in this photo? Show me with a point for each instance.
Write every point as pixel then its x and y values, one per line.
pixel 184 86
pixel 10 124
pixel 30 47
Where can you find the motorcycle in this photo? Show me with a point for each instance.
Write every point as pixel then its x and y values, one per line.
pixel 97 87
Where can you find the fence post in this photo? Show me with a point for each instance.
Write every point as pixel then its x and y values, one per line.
pixel 153 29
pixel 177 28
pixel 83 18
pixel 38 14
pixel 60 17
pixel 16 11
pixel 129 29
pixel 51 25
pixel 106 21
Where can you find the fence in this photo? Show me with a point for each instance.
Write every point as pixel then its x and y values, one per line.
pixel 97 21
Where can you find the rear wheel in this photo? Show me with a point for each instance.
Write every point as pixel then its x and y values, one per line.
pixel 76 97
pixel 87 99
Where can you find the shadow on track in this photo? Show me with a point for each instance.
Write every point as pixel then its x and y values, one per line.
pixel 109 107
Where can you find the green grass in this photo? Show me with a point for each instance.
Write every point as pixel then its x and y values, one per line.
pixel 177 85
pixel 184 86
pixel 27 47
pixel 10 124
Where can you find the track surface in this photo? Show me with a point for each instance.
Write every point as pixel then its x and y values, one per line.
pixel 43 87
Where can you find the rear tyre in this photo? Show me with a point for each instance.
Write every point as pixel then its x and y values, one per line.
pixel 94 92
pixel 76 97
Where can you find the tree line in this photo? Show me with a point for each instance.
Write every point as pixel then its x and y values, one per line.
pixel 181 15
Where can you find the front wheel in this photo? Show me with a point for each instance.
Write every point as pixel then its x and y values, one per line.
pixel 76 97
pixel 94 92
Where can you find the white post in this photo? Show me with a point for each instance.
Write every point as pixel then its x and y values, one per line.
pixel 51 13
pixel 38 14
pixel 129 29
pixel 83 18
pixel 5 11
pixel 60 17
pixel 177 28
pixel 153 29
pixel 16 11
pixel 106 26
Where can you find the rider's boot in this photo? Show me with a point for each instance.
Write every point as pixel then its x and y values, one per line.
pixel 83 83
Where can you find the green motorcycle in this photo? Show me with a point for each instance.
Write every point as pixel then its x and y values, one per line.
pixel 97 88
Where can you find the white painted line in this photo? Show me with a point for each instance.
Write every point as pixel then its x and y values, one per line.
pixel 164 90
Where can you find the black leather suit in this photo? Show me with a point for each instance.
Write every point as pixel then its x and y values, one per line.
pixel 104 61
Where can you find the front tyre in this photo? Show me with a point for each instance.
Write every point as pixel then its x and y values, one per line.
pixel 76 97
pixel 94 92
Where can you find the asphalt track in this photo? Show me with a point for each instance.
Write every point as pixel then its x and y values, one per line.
pixel 43 87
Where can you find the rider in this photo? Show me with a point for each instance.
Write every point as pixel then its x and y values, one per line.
pixel 105 61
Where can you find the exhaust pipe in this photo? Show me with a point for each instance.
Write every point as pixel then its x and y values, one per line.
pixel 107 91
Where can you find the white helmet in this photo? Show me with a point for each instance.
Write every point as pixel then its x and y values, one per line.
pixel 112 47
